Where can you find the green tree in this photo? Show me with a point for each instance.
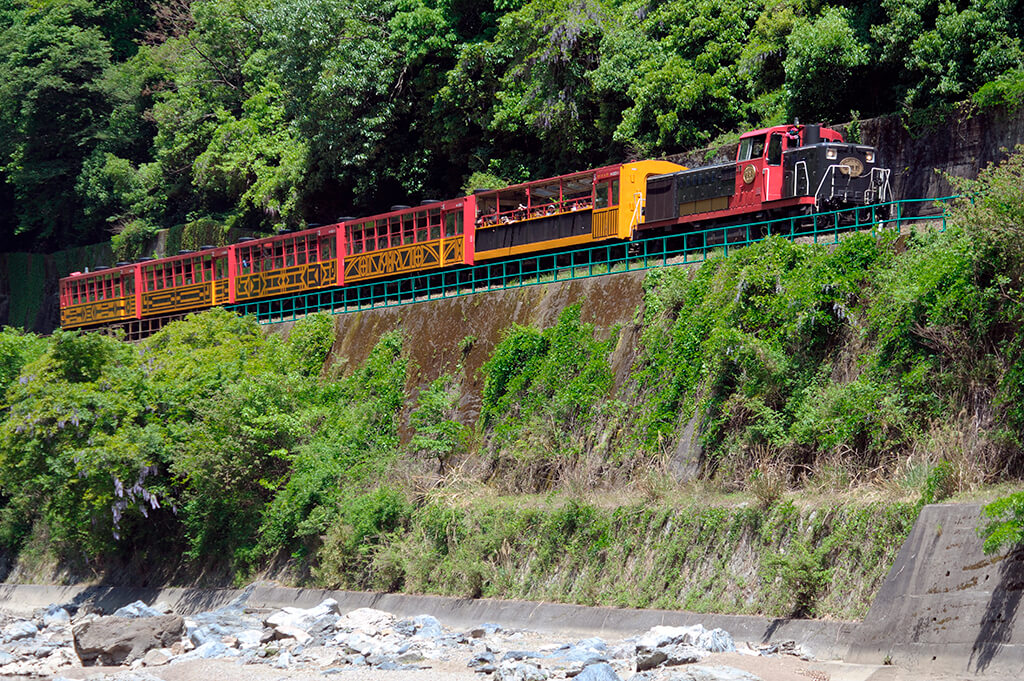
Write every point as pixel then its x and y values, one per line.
pixel 823 65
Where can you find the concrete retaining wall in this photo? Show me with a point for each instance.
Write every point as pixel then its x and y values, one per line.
pixel 826 640
pixel 945 605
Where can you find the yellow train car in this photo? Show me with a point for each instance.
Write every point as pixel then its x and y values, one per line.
pixel 563 212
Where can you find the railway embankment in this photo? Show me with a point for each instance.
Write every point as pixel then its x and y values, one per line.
pixel 753 436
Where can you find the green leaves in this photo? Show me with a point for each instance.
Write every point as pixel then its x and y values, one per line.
pixel 823 59
pixel 1005 526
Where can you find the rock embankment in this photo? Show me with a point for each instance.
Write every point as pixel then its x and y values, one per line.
pixel 325 640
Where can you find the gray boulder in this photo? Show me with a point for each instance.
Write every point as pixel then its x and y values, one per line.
pixel 713 673
pixel 121 640
pixel 136 609
pixel 54 615
pixel 519 671
pixel 19 629
pixel 598 672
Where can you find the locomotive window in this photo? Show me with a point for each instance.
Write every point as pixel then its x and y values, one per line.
pixel 751 147
pixel 775 149
pixel 615 192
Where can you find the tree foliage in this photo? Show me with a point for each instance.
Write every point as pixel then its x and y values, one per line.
pixel 118 116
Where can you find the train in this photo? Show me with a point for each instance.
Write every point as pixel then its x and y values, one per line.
pixel 779 171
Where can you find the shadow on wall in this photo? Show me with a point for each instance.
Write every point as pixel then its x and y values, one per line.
pixel 997 624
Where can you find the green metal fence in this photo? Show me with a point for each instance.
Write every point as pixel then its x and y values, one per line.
pixel 594 261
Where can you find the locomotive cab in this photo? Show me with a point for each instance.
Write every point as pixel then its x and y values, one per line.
pixel 778 172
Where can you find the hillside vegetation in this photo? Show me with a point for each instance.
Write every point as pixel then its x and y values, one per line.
pixel 889 364
pixel 125 116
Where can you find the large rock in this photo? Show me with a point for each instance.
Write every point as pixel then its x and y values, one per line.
pixel 19 629
pixel 120 640
pixel 137 609
pixel 714 673
pixel 598 672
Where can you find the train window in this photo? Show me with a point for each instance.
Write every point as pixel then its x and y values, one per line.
pixel 395 227
pixel 128 282
pixel 751 147
pixel 327 247
pixel 486 210
pixel 601 194
pixel 220 267
pixel 288 249
pixel 615 192
pixel 774 156
pixel 382 234
pixel 407 228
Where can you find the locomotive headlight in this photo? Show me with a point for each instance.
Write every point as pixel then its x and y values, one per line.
pixel 869 156
pixel 831 154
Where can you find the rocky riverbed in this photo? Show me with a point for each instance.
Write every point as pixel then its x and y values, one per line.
pixel 144 642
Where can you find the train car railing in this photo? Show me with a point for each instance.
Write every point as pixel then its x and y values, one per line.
pixel 609 258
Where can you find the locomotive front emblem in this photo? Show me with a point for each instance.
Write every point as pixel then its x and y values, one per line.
pixel 749 173
pixel 851 166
